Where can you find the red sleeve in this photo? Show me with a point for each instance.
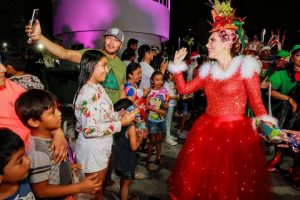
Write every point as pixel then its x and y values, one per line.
pixel 189 87
pixel 253 91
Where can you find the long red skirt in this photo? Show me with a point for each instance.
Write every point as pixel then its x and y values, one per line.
pixel 222 158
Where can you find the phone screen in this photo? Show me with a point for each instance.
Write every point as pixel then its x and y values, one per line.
pixel 34 17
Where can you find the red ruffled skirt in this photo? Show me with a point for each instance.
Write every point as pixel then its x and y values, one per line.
pixel 222 158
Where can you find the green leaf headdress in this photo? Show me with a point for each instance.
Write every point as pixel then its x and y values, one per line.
pixel 224 18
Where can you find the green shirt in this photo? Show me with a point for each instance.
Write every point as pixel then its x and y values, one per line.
pixel 115 77
pixel 282 83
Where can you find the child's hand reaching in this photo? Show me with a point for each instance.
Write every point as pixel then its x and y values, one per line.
pixel 146 91
pixel 127 119
pixel 75 166
pixel 90 184
pixel 166 105
pixel 142 133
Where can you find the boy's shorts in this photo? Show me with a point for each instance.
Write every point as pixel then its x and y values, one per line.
pixel 157 127
pixel 126 175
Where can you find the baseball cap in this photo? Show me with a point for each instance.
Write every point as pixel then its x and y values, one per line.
pixel 117 33
pixel 284 54
pixel 295 47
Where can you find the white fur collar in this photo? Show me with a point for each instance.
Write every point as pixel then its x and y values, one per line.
pixel 248 64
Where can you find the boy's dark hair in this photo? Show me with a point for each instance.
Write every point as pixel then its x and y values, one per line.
pixel 14 59
pixel 32 103
pixel 122 104
pixel 10 142
pixel 131 68
pixel 127 54
pixel 142 50
pixel 131 41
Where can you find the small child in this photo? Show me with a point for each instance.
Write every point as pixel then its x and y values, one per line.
pixel 132 92
pixel 37 109
pixel 157 103
pixel 127 142
pixel 14 167
pixel 171 88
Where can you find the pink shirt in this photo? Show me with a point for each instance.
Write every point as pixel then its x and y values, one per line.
pixel 8 116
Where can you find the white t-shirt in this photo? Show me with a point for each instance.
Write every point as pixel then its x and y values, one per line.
pixel 171 88
pixel 147 71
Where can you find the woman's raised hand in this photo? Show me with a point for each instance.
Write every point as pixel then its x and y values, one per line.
pixel 179 56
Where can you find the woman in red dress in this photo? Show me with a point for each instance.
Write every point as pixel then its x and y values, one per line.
pixel 222 157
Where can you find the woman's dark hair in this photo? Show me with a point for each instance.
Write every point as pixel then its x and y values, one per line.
pixel 127 54
pixel 132 41
pixel 166 75
pixel 142 50
pixel 32 103
pixel 88 62
pixel 131 68
pixel 122 104
pixel 290 66
pixel 10 143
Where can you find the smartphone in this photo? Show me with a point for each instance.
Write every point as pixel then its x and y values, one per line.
pixel 34 16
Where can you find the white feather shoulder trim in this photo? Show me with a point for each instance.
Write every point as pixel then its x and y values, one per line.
pixel 249 66
pixel 175 68
pixel 204 69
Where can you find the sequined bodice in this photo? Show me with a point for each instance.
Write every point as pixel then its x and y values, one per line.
pixel 225 97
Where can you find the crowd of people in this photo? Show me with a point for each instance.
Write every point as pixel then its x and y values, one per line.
pixel 126 105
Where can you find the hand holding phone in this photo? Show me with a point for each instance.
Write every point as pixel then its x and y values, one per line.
pixel 34 16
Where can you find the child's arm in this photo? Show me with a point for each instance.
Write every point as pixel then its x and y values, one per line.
pixel 58 146
pixel 175 97
pixel 159 111
pixel 89 184
pixel 135 139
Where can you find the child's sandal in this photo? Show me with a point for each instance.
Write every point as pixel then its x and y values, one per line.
pixel 151 166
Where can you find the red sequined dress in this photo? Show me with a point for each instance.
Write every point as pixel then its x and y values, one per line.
pixel 222 157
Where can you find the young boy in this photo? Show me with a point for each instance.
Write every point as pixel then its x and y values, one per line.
pixel 127 142
pixel 37 109
pixel 14 167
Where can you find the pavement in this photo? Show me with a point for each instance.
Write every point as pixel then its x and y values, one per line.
pixel 154 185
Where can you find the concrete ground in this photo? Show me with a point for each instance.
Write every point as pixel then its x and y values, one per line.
pixel 154 186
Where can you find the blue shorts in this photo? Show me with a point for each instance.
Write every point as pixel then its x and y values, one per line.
pixel 126 175
pixel 157 127
pixel 184 110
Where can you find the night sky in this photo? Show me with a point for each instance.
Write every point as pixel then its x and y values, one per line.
pixel 185 15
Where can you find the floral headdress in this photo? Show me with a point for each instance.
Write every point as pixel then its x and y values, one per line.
pixel 224 19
